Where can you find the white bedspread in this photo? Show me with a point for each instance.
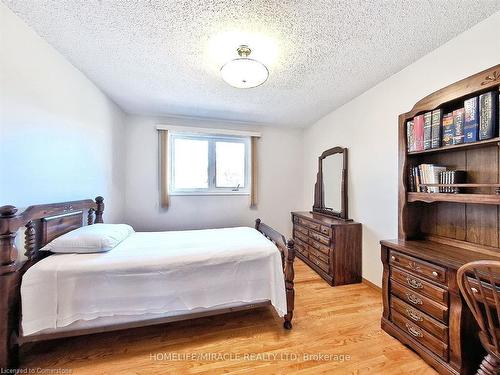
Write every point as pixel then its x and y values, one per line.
pixel 153 273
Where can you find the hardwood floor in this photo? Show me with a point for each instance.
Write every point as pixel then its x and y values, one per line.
pixel 328 321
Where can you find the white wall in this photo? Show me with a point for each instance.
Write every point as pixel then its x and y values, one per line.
pixel 279 189
pixel 60 136
pixel 368 125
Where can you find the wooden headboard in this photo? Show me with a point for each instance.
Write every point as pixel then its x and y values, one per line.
pixel 43 223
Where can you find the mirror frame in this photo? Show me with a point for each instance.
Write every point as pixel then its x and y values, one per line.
pixel 319 199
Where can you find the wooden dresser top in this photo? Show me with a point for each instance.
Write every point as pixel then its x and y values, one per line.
pixel 323 219
pixel 450 256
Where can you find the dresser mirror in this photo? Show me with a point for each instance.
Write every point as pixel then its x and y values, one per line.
pixel 330 192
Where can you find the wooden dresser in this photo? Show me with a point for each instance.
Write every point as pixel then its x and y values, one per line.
pixel 330 246
pixel 440 228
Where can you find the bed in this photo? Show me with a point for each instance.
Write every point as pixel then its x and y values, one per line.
pixel 208 272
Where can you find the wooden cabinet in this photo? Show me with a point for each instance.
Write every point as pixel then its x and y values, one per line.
pixel 438 233
pixel 422 303
pixel 331 247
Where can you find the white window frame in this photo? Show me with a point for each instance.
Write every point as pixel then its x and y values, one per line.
pixel 212 189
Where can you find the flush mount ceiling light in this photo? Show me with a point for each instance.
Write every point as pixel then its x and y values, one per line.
pixel 243 72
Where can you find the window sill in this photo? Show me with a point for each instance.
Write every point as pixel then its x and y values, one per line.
pixel 199 193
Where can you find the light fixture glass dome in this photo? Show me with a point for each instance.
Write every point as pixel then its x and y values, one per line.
pixel 243 72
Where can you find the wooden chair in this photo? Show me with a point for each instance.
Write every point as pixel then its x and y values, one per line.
pixel 479 283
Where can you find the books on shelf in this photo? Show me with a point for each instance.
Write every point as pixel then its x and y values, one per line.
pixel 488 115
pixel 436 128
pixel 427 174
pixel 448 129
pixel 410 134
pixel 458 124
pixel 451 177
pixel 418 132
pixel 478 120
pixel 427 130
pixel 471 118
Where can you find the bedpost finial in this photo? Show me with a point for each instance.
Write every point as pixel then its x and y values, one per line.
pixel 99 210
pixel 290 243
pixel 8 211
pixel 257 224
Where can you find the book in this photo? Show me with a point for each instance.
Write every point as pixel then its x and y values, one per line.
pixel 416 173
pixel 411 180
pixel 436 128
pixel 418 133
pixel 410 136
pixel 448 129
pixel 487 115
pixel 435 171
pixel 458 123
pixel 471 120
pixel 427 130
pixel 458 177
pixel 443 179
pixel 421 178
pixel 451 178
pixel 430 174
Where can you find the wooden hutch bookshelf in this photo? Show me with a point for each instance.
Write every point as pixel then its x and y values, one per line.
pixel 438 233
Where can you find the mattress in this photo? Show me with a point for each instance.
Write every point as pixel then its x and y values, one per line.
pixel 152 274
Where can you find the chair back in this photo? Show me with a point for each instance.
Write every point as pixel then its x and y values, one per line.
pixel 479 283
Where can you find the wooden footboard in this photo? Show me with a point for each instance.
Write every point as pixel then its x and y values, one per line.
pixel 287 257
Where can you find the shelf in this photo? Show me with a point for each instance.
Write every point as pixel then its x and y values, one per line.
pixel 462 146
pixel 456 198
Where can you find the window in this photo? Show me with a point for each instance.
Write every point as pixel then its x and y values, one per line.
pixel 207 164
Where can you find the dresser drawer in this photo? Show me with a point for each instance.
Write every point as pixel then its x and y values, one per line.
pixel 319 246
pixel 434 309
pixel 421 319
pixel 301 229
pixel 300 236
pixel 320 238
pixel 318 254
pixel 301 247
pixel 323 265
pixel 420 285
pixel 327 231
pixel 309 224
pixel 421 335
pixel 418 266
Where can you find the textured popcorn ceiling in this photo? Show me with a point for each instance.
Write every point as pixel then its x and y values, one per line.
pixel 162 57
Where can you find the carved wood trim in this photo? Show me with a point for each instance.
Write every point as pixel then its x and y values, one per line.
pixel 30 239
pixel 289 284
pixel 90 216
pixel 495 76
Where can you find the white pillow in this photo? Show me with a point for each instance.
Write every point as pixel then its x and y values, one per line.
pixel 94 238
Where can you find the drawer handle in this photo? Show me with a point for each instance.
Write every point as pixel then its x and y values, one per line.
pixel 414 331
pixel 414 299
pixel 393 258
pixel 412 314
pixel 435 274
pixel 414 266
pixel 414 283
pixel 474 290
